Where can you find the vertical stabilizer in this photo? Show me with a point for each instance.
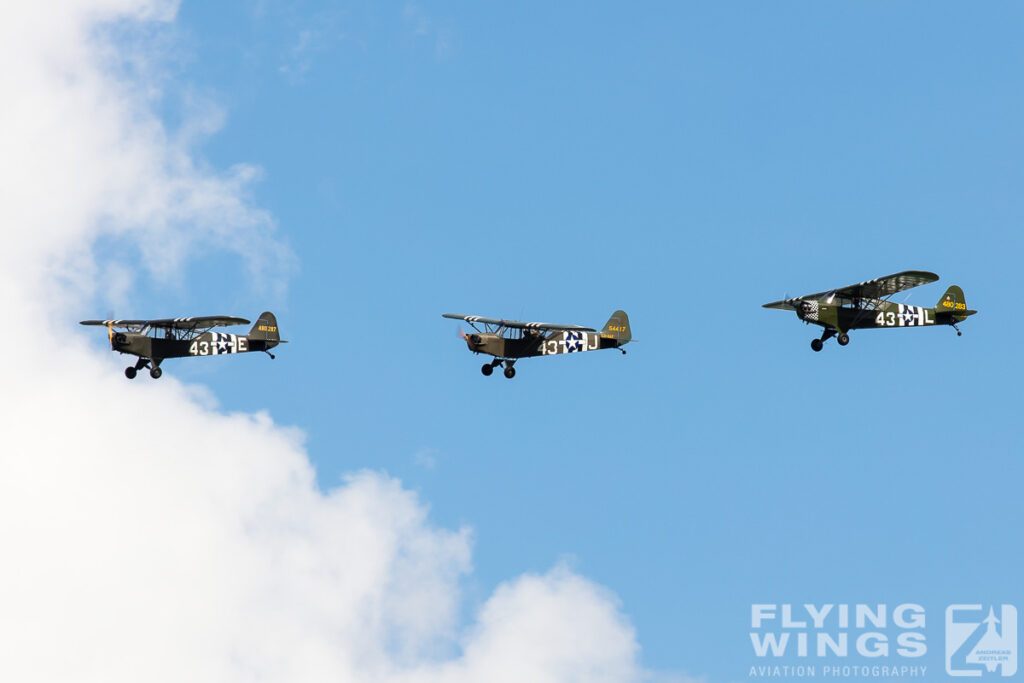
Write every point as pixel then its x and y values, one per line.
pixel 617 328
pixel 266 329
pixel 952 301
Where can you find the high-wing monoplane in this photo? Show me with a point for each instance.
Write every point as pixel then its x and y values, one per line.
pixel 510 340
pixel 155 340
pixel 867 305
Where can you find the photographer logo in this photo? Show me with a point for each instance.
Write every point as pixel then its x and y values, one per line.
pixel 981 640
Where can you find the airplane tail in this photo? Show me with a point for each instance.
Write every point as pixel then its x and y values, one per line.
pixel 265 329
pixel 953 302
pixel 617 328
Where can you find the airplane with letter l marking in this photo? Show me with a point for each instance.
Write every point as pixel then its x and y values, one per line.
pixel 866 305
pixel 155 340
pixel 510 340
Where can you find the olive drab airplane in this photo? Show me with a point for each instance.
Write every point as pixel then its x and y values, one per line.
pixel 510 340
pixel 153 341
pixel 866 305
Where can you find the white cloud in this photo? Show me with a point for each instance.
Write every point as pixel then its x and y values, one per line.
pixel 426 458
pixel 148 535
pixel 423 26
pixel 313 38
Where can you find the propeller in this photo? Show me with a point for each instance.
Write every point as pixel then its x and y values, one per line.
pixel 115 338
pixel 472 340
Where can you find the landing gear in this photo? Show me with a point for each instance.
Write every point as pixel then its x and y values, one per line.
pixel 488 368
pixel 958 332
pixel 130 371
pixel 817 344
pixel 843 339
pixel 154 368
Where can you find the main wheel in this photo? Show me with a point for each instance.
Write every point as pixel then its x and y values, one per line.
pixel 487 369
pixel 155 372
pixel 843 339
pixel 510 372
pixel 130 372
pixel 816 344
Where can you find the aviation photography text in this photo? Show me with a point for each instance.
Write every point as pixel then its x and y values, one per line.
pixel 838 640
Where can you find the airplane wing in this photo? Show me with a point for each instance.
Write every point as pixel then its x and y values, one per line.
pixel 204 321
pixel 879 288
pixel 783 304
pixel 888 285
pixel 515 323
pixel 115 323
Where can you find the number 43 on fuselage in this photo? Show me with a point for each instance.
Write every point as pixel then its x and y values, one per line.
pixel 510 340
pixel 154 340
pixel 866 305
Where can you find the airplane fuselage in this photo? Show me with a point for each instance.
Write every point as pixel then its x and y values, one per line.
pixel 205 344
pixel 530 345
pixel 881 314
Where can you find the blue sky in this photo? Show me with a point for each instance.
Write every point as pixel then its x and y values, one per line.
pixel 686 163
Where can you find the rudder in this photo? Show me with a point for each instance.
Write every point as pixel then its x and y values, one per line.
pixel 266 329
pixel 617 328
pixel 952 301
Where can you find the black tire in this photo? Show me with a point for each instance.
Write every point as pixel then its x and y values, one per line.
pixel 487 369
pixel 130 372
pixel 155 372
pixel 510 372
pixel 816 344
pixel 843 339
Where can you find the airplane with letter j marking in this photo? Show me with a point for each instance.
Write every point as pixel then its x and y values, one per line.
pixel 866 305
pixel 510 340
pixel 155 340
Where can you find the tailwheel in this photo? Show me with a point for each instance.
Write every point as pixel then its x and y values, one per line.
pixel 843 339
pixel 155 372
pixel 130 372
pixel 510 372
pixel 487 369
pixel 817 344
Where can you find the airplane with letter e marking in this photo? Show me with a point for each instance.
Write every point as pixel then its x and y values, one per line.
pixel 155 340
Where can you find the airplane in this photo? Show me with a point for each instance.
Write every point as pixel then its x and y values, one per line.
pixel 866 305
pixel 510 340
pixel 153 341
